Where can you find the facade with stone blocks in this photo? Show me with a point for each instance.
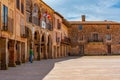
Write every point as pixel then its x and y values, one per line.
pixel 32 24
pixel 29 24
pixel 12 27
pixel 95 37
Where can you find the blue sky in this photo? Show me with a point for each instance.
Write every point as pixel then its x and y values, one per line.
pixel 95 10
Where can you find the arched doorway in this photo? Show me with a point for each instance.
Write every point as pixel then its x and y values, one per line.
pixel 49 47
pixel 43 47
pixel 36 45
pixel 29 41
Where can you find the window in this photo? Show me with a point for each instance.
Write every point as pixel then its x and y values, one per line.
pixel 80 27
pixel 22 26
pixel 22 8
pixel 5 17
pixel 108 26
pixel 108 37
pixel 35 16
pixel 18 4
pixel 58 24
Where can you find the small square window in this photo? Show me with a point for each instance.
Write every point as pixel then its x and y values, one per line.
pixel 80 27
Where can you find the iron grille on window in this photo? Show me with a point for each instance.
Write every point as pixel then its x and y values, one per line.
pixel 35 20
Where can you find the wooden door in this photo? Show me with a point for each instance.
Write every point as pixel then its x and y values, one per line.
pixel 109 49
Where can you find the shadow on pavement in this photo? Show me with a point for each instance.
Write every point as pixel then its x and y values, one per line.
pixel 32 71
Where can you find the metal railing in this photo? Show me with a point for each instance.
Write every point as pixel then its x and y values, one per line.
pixel 93 40
pixel 66 40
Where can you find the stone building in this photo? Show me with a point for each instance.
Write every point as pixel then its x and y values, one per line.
pixel 95 37
pixel 57 34
pixel 13 44
pixel 26 24
pixel 65 39
pixel 39 25
pixel 61 41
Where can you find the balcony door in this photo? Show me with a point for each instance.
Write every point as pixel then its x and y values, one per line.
pixel 95 37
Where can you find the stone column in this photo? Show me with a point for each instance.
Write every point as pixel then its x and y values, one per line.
pixel 52 52
pixel 39 51
pixel 46 53
pixel 64 50
pixel 56 52
pixel 3 52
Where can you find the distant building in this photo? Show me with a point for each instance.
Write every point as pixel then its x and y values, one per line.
pixel 95 37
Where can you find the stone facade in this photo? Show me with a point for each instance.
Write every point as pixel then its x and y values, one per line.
pixel 32 24
pixel 12 26
pixel 95 37
pixel 27 24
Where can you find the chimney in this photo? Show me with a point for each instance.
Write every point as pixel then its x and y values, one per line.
pixel 83 18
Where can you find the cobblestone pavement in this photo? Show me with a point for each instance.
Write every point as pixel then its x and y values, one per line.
pixel 69 68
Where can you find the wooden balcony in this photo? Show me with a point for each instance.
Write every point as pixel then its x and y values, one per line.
pixel 92 40
pixel 66 40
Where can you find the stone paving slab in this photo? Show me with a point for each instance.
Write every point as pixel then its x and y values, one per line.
pixel 69 68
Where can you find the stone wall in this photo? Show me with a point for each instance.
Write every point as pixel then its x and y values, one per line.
pixel 89 28
pixel 116 49
pixel 95 49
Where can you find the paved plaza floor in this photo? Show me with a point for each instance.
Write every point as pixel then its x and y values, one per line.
pixel 69 68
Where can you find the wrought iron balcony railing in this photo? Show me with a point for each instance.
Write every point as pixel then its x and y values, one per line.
pixel 66 40
pixel 92 40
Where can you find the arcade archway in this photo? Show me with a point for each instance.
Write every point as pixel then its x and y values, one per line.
pixel 36 45
pixel 29 41
pixel 43 47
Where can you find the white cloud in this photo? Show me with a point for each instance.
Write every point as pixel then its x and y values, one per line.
pixel 94 9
